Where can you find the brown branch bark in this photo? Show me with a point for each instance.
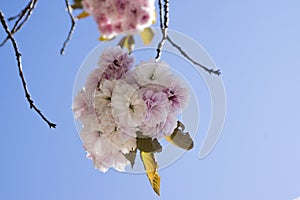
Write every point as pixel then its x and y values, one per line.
pixel 19 63
pixel 25 13
pixel 164 24
pixel 210 71
pixel 72 28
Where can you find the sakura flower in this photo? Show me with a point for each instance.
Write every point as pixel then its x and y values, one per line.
pixel 116 16
pixel 121 6
pixel 91 122
pixel 106 122
pixel 88 6
pixel 178 95
pixel 162 129
pixel 116 62
pixel 128 107
pixel 105 155
pixel 157 106
pixel 102 96
pixel 81 105
pixel 83 102
pixel 166 128
pixel 122 140
pixel 97 163
pixel 92 81
pixel 118 137
pixel 153 73
pixel 89 137
pixel 107 150
pixel 117 103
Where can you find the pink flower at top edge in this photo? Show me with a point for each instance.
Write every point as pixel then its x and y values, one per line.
pixel 110 14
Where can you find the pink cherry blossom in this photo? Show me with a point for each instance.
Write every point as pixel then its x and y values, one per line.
pixel 116 16
pixel 105 155
pixel 93 81
pixel 178 95
pixel 157 106
pixel 166 128
pixel 115 62
pixel 151 72
pixel 80 105
pixel 103 94
pixel 116 103
pixel 128 107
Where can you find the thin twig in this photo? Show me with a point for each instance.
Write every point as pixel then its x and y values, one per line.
pixel 164 24
pixel 14 17
pixel 27 11
pixel 210 71
pixel 28 14
pixel 19 61
pixel 161 13
pixel 62 51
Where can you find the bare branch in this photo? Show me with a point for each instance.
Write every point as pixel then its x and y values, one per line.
pixel 25 13
pixel 210 71
pixel 62 51
pixel 30 9
pixel 164 24
pixel 19 61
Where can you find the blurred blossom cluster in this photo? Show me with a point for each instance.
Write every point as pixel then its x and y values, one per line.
pixel 116 16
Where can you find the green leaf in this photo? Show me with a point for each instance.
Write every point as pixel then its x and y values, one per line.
pixel 179 138
pixel 127 42
pixel 77 4
pixel 82 15
pixel 147 36
pixel 146 144
pixel 151 170
pixel 131 157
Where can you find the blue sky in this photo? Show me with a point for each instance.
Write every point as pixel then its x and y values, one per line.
pixel 256 45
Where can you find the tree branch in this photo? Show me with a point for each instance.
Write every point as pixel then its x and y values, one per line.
pixel 164 24
pixel 210 71
pixel 62 51
pixel 26 12
pixel 19 62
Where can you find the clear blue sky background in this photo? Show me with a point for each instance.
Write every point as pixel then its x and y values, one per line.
pixel 255 43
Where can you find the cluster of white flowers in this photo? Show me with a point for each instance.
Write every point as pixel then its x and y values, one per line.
pixel 117 102
pixel 116 16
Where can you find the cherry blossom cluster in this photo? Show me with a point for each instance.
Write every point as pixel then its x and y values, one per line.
pixel 119 102
pixel 116 16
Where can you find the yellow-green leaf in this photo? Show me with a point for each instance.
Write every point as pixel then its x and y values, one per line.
pixel 103 38
pixel 127 42
pixel 151 170
pixel 179 138
pixel 77 4
pixel 82 15
pixel 147 36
